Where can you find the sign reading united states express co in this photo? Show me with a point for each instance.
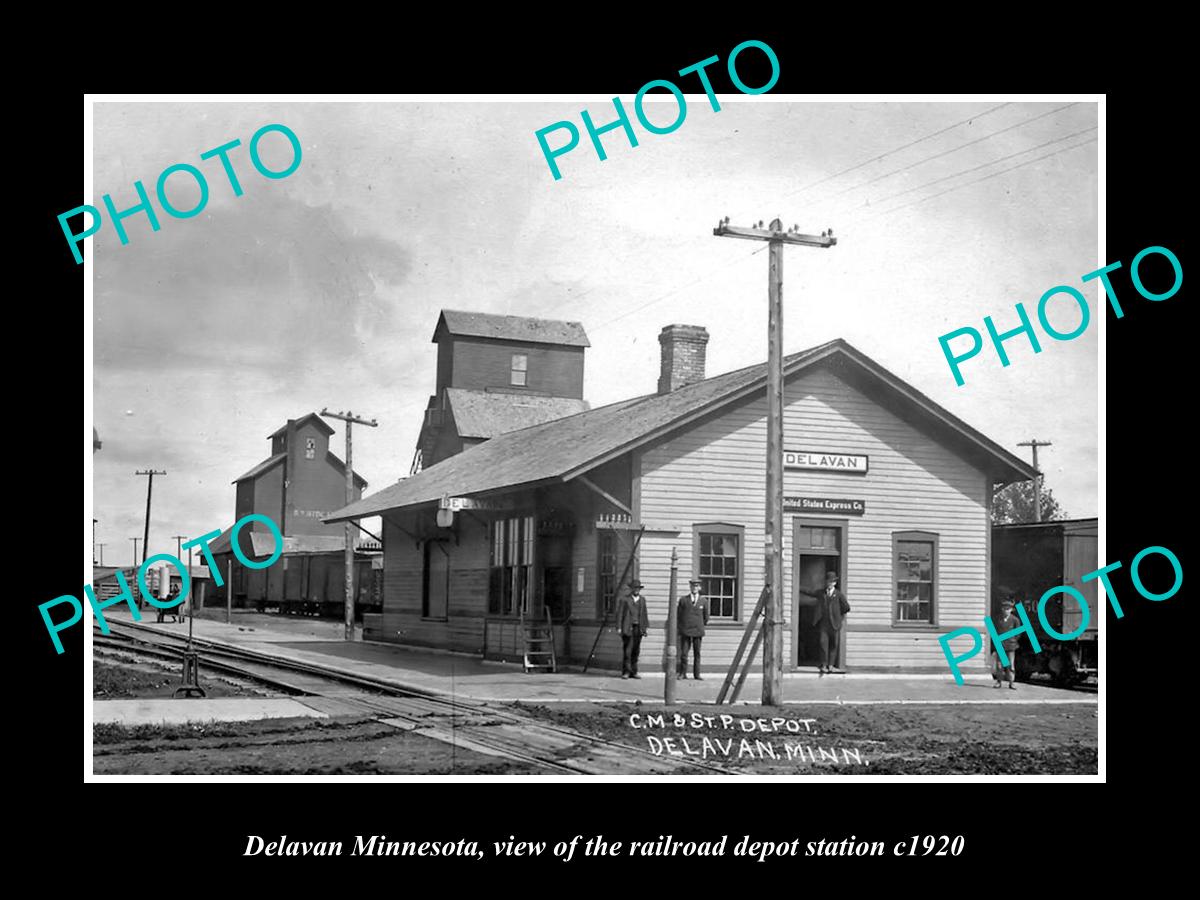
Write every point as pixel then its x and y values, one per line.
pixel 825 462
pixel 824 505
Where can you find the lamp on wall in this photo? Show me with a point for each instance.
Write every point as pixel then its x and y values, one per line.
pixel 445 518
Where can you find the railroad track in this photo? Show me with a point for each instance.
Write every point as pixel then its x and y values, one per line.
pixel 471 724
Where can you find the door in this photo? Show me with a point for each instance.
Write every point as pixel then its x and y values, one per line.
pixel 817 548
pixel 437 580
pixel 554 555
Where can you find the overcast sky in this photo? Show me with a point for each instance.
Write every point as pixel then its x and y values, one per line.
pixel 323 288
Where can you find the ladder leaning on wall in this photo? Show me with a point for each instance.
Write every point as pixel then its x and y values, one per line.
pixel 539 644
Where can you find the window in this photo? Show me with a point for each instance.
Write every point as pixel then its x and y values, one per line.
pixel 310 448
pixel 520 368
pixel 914 555
pixel 510 566
pixel 718 560
pixel 812 537
pixel 606 583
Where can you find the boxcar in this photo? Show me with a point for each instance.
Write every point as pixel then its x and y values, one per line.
pixel 1028 560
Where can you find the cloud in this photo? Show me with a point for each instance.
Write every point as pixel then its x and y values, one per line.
pixel 264 282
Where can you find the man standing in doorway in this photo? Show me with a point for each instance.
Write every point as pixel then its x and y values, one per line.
pixel 632 623
pixel 693 616
pixel 828 617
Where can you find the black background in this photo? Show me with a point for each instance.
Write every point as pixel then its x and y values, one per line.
pixel 174 829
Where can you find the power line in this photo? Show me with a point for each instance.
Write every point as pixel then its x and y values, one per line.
pixel 977 140
pixel 987 177
pixel 895 150
pixel 671 293
pixel 967 172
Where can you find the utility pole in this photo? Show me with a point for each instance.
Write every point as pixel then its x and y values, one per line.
pixel 776 237
pixel 1037 479
pixel 149 491
pixel 349 418
pixel 94 521
pixel 179 539
pixel 135 543
pixel 101 546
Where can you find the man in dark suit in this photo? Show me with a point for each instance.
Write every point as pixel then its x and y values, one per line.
pixel 693 616
pixel 828 616
pixel 632 623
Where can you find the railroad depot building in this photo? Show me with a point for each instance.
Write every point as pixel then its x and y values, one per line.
pixel 881 485
pixel 296 486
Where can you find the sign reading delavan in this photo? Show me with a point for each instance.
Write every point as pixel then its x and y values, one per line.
pixel 824 505
pixel 826 462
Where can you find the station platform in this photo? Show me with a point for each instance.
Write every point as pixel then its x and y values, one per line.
pixel 320 642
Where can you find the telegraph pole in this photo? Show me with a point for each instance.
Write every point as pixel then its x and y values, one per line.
pixel 101 546
pixel 1037 479
pixel 349 418
pixel 149 491
pixel 94 521
pixel 776 237
pixel 135 543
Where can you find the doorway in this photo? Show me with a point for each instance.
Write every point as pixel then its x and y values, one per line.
pixel 437 580
pixel 817 548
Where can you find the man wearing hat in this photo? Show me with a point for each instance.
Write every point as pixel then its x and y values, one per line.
pixel 693 616
pixel 632 623
pixel 1008 621
pixel 828 616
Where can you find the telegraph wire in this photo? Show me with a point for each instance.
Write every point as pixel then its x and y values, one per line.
pixel 977 140
pixel 672 293
pixel 869 205
pixel 979 180
pixel 895 150
pixel 987 177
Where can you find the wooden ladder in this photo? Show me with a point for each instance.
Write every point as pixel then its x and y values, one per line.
pixel 539 644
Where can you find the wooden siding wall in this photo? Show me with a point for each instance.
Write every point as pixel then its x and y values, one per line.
pixel 403 584
pixel 464 627
pixel 715 472
pixel 479 364
pixel 315 485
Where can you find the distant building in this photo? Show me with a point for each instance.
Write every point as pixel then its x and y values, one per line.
pixel 296 486
pixel 498 374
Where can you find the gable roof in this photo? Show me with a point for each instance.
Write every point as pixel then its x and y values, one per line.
pixel 320 423
pixel 485 414
pixel 270 462
pixel 266 465
pixel 337 463
pixel 510 328
pixel 563 448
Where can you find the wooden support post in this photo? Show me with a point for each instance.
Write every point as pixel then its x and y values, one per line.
pixel 670 638
pixel 737 688
pixel 604 619
pixel 605 494
pixel 737 657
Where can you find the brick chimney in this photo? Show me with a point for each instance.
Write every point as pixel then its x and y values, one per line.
pixel 683 352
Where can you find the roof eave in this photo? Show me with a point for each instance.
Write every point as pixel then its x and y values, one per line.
pixel 421 504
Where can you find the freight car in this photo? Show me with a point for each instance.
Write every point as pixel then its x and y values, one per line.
pixel 313 584
pixel 1028 560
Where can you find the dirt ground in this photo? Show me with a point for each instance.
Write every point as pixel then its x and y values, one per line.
pixel 889 740
pixel 821 739
pixel 118 678
pixel 284 747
